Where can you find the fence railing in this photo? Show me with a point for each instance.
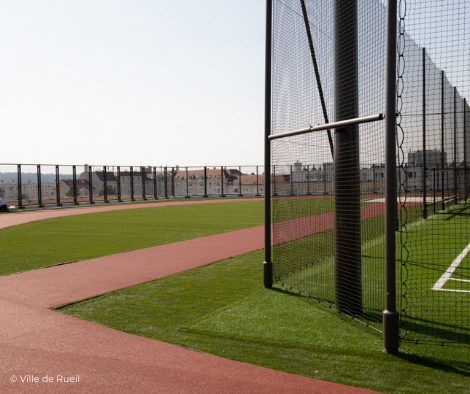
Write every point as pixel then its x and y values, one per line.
pixel 40 185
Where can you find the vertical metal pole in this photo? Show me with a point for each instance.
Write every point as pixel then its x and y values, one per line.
pixel 308 180
pixel 144 195
pixel 324 180
pixel 131 180
pixel 173 181
pixel 348 281
pixel 257 182
pixel 165 181
pixel 267 264
pixel 155 194
pixel 187 184
pixel 373 179
pixel 20 195
pixel 443 205
pixel 391 322
pixel 119 192
pixel 274 181
pixel 423 172
pixel 291 182
pixel 57 185
pixel 240 182
pixel 105 185
pixel 205 183
pixel 90 185
pixel 74 185
pixel 465 150
pixel 39 187
pixel 434 188
pixel 222 178
pixel 455 145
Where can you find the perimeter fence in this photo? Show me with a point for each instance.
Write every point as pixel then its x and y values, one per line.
pixel 40 185
pixel 329 65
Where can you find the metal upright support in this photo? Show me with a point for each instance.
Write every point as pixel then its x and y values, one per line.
pixel 165 181
pixel 257 182
pixel 222 181
pixel 187 183
pixel 131 179
pixel 144 195
pixel 57 185
pixel 291 182
pixel 267 264
pixel 39 187
pixel 105 185
pixel 173 173
pixel 423 172
pixel 391 321
pixel 240 182
pixel 90 185
pixel 443 204
pixel 465 194
pixel 74 185
pixel 274 181
pixel 455 145
pixel 155 194
pixel 20 194
pixel 347 238
pixel 205 183
pixel 119 191
pixel 308 180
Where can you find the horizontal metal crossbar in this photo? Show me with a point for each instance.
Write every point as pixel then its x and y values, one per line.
pixel 334 125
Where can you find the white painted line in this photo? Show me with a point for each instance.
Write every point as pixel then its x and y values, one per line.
pixel 460 280
pixel 444 278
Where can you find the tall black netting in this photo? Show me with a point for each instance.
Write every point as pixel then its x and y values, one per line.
pixel 328 204
pixel 434 240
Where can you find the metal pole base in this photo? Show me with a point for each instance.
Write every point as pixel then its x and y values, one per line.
pixel 267 274
pixel 391 332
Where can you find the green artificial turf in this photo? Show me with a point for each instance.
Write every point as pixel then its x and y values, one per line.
pixel 74 238
pixel 222 309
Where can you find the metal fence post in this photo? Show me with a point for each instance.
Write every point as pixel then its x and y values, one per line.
pixel 455 145
pixel 173 173
pixel 74 185
pixel 257 182
pixel 222 181
pixel 423 172
pixel 119 192
pixel 187 184
pixel 391 322
pixel 142 170
pixel 348 282
pixel 155 194
pixel 240 182
pixel 443 205
pixel 20 195
pixel 105 184
pixel 57 185
pixel 132 183
pixel 205 183
pixel 267 264
pixel 39 187
pixel 165 181
pixel 90 185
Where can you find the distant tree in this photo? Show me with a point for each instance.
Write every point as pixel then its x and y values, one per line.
pixel 109 191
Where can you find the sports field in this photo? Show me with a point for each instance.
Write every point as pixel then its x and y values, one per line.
pixel 222 309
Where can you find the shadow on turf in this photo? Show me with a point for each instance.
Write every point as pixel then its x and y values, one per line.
pixel 457 367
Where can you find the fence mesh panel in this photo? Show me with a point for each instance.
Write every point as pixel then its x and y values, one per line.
pixel 315 73
pixel 433 243
pixel 305 201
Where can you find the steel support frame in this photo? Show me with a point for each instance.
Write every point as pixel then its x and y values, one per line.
pixel 391 318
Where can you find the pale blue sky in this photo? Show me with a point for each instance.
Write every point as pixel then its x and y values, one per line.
pixel 132 82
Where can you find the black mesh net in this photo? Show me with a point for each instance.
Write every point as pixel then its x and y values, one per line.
pixel 434 158
pixel 310 214
pixel 328 194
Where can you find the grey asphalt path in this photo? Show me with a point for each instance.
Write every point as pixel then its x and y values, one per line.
pixel 38 343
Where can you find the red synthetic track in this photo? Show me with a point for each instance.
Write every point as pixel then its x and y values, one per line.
pixel 37 342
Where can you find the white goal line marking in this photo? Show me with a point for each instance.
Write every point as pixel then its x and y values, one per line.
pixel 447 275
